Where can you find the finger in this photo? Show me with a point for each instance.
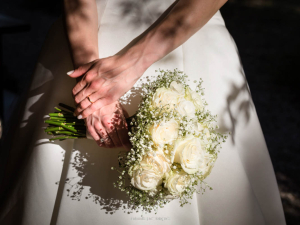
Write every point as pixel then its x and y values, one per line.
pixel 81 106
pixel 104 140
pixel 81 70
pixel 93 107
pixel 93 133
pixel 108 123
pixel 92 98
pixel 90 90
pixel 79 86
pixel 122 130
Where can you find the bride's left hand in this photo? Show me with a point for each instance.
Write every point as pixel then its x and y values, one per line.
pixel 108 126
pixel 104 81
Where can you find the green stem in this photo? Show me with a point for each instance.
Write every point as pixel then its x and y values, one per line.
pixel 73 123
pixel 53 129
pixel 63 111
pixel 65 115
pixel 57 118
pixel 69 133
pixel 64 118
pixel 58 109
pixel 62 125
pixel 64 137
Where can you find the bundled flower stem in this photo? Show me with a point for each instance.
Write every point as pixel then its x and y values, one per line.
pixel 64 125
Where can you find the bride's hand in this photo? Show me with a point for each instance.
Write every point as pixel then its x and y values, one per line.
pixel 104 81
pixel 108 126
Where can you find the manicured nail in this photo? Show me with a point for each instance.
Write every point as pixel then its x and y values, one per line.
pixel 79 117
pixel 70 72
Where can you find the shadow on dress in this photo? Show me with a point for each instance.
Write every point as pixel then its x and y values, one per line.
pixel 86 163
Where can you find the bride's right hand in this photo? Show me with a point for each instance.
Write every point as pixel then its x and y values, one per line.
pixel 104 81
pixel 108 126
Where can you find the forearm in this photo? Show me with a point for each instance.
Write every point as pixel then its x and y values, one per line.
pixel 81 22
pixel 185 19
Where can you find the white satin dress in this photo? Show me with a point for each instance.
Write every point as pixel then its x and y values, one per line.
pixel 71 182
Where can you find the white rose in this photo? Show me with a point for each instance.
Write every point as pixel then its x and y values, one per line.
pixel 177 182
pixel 164 96
pixel 177 87
pixel 206 132
pixel 150 172
pixel 198 127
pixel 195 98
pixel 186 108
pixel 192 156
pixel 164 132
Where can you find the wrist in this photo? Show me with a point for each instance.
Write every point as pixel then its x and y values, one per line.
pixel 79 60
pixel 148 50
pixel 83 58
pixel 144 57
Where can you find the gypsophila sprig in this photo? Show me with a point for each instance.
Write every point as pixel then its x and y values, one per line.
pixel 175 144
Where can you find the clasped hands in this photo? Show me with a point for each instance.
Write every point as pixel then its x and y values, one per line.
pixel 103 82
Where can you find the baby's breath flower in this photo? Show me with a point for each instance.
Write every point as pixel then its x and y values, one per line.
pixel 200 124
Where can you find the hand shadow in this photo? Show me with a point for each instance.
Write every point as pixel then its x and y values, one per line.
pixel 93 177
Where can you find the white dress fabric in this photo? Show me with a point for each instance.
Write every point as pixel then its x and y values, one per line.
pixel 71 182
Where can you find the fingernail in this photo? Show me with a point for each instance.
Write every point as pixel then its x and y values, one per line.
pixel 79 117
pixel 70 72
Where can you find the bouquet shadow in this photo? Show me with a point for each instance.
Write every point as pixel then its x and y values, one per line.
pixel 94 179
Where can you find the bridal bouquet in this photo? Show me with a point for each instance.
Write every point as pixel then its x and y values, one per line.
pixel 174 142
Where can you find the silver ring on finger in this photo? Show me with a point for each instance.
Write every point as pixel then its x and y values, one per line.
pixel 103 139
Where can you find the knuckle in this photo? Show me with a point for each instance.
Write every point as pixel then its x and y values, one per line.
pixel 107 122
pixel 77 99
pixel 81 68
pixel 109 98
pixel 81 105
pixel 90 130
pixel 95 84
pixel 74 91
pixel 89 76
pixel 94 107
pixel 82 83
pixel 76 112
pixel 98 126
pixel 84 114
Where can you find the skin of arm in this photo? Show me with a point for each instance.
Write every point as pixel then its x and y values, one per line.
pixel 81 24
pixel 106 80
pixel 185 19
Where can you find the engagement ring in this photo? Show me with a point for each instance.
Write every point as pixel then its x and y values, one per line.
pixel 103 139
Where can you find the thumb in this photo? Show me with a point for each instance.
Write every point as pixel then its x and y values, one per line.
pixel 81 70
